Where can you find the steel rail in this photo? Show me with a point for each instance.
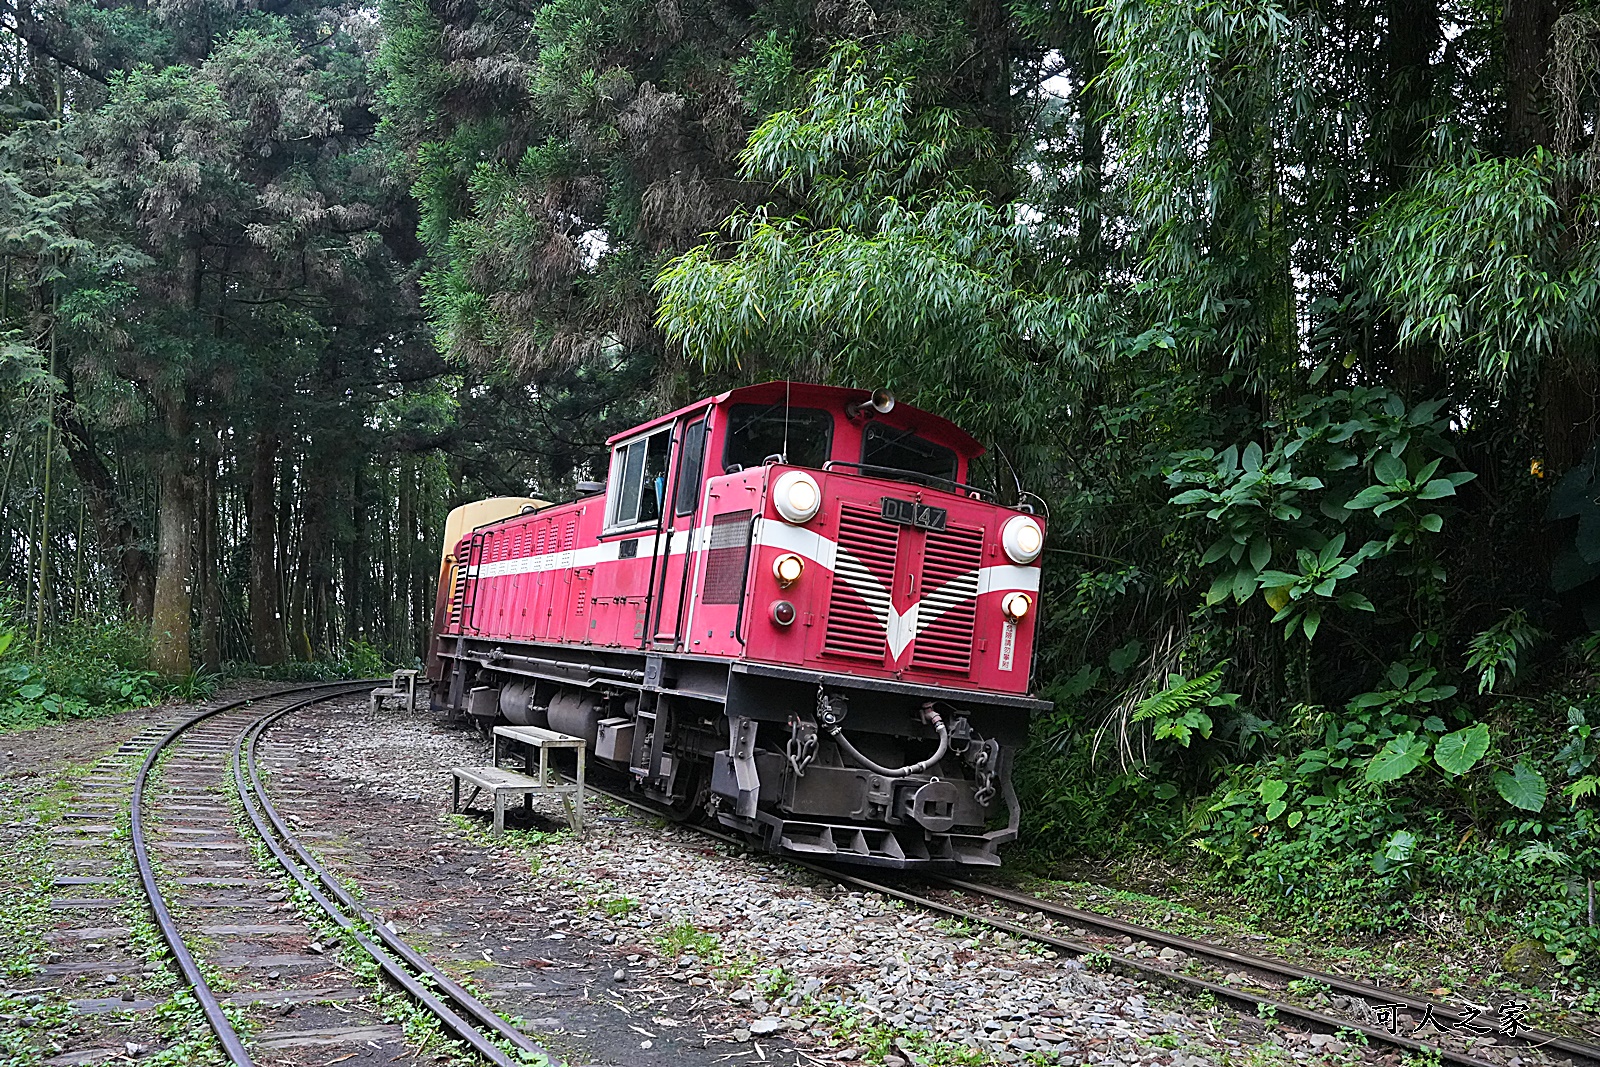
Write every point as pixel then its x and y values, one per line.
pixel 1315 1020
pixel 1280 1008
pixel 1250 961
pixel 302 866
pixel 209 1005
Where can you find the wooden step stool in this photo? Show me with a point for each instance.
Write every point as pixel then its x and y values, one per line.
pixel 402 686
pixel 501 781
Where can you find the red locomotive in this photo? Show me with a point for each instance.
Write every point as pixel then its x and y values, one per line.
pixel 786 606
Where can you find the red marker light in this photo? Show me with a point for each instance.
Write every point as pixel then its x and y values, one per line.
pixel 782 612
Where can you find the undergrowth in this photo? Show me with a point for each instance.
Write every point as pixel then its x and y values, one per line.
pixel 87 668
pixel 1394 816
pixel 84 668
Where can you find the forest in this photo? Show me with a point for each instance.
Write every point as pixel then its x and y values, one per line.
pixel 1288 310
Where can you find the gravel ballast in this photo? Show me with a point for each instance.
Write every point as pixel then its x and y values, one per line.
pixel 775 953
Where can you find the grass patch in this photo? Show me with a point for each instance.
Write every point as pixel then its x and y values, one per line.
pixel 878 1039
pixel 686 939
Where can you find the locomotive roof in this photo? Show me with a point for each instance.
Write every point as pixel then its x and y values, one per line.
pixel 803 394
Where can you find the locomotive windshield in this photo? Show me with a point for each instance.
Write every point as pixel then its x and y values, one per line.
pixel 903 450
pixel 756 431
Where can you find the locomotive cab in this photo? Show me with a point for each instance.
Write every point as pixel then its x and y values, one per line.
pixel 788 608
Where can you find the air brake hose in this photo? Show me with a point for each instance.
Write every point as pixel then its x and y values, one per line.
pixel 928 716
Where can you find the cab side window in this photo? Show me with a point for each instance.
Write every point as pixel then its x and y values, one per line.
pixel 638 480
pixel 691 465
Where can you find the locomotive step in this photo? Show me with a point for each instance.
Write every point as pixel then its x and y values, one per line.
pixel 500 783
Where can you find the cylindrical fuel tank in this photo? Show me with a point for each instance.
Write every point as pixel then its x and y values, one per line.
pixel 575 712
pixel 516 704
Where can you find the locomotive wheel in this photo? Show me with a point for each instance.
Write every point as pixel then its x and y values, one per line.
pixel 694 797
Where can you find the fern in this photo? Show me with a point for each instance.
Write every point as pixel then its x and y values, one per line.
pixel 1177 712
pixel 1586 786
pixel 1180 696
pixel 1539 852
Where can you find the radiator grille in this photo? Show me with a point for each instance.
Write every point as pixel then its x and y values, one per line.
pixel 950 562
pixel 863 576
pixel 727 558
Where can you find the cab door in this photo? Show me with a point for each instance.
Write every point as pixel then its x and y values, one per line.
pixel 674 546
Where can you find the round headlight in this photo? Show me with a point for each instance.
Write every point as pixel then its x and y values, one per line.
pixel 1022 537
pixel 797 496
pixel 787 568
pixel 1016 605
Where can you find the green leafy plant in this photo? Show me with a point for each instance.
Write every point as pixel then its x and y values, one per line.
pixel 1522 787
pixel 1317 578
pixel 1492 654
pixel 1178 711
pixel 83 670
pixel 1355 452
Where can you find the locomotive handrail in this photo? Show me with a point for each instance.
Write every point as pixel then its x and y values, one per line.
pixel 933 481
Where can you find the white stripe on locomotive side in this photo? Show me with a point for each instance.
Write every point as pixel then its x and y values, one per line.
pixel 767 534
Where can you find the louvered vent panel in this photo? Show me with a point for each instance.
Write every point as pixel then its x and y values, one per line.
pixel 950 561
pixel 727 558
pixel 863 576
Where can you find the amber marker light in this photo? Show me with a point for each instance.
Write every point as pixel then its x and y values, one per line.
pixel 1016 605
pixel 787 568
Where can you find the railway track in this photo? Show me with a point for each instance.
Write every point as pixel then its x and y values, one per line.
pixel 183 824
pixel 1270 974
pixel 178 789
pixel 1274 973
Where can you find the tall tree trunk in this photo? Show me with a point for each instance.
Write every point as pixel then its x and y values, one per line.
pixel 266 617
pixel 1406 79
pixel 985 77
pixel 1526 30
pixel 49 469
pixel 421 560
pixel 286 518
pixel 120 536
pixel 306 568
pixel 209 572
pixel 171 619
pixel 357 590
pixel 29 545
pixel 401 638
pixel 77 567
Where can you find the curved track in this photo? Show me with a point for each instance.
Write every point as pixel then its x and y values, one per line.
pixel 1560 1049
pixel 240 725
pixel 1276 972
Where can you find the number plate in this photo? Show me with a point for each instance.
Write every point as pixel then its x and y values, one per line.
pixel 911 513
